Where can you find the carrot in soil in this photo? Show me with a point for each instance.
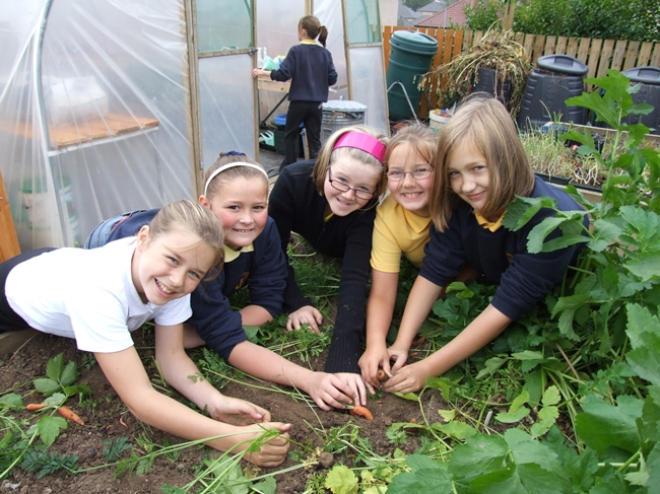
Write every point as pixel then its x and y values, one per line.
pixel 35 406
pixel 418 341
pixel 381 376
pixel 362 412
pixel 69 414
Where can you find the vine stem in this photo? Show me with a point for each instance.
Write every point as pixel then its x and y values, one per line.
pixel 568 361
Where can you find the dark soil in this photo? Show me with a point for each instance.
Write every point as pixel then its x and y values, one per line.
pixel 102 423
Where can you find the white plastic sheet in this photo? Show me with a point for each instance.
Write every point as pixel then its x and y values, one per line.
pixel 94 113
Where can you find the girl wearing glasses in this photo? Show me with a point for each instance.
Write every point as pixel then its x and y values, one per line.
pixel 401 228
pixel 481 168
pixel 331 204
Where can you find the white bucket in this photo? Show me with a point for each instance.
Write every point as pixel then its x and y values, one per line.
pixel 436 121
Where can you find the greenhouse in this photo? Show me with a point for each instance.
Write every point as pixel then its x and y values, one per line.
pixel 112 105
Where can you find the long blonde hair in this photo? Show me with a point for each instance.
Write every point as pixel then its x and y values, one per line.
pixel 482 122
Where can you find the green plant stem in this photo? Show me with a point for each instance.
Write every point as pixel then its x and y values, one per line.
pixel 630 461
pixel 20 457
pixel 291 394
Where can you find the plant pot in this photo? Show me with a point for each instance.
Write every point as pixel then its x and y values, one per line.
pixel 553 179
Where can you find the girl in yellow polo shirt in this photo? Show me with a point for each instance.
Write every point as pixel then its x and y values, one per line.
pixel 401 228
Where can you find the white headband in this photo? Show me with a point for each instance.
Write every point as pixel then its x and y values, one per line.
pixel 232 165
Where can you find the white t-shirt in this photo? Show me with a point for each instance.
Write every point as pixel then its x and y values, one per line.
pixel 87 295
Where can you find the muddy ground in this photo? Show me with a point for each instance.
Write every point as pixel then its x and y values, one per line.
pixel 102 423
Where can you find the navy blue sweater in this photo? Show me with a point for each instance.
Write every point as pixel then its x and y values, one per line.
pixel 311 71
pixel 296 206
pixel 264 271
pixel 501 256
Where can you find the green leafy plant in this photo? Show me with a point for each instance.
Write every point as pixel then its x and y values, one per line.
pixel 114 449
pixel 60 378
pixel 45 463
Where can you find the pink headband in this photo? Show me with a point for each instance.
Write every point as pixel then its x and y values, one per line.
pixel 364 142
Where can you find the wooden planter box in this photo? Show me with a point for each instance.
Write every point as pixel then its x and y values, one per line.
pixel 8 240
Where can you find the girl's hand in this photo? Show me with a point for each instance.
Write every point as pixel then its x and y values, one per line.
pixel 238 412
pixel 373 359
pixel 333 390
pixel 272 453
pixel 408 379
pixel 306 314
pixel 257 72
pixel 399 355
pixel 358 387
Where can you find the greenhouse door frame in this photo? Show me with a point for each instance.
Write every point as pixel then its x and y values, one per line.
pixel 196 97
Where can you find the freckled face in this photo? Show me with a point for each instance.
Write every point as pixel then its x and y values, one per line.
pixel 242 206
pixel 469 176
pixel 412 193
pixel 347 171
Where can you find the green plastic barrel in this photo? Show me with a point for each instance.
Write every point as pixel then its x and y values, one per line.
pixel 411 54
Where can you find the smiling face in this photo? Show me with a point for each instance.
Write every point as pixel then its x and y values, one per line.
pixel 169 266
pixel 348 171
pixel 412 193
pixel 242 205
pixel 469 175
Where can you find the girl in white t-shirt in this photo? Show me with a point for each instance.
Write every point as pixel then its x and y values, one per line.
pixel 98 296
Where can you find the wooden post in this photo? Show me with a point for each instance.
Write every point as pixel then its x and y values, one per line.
pixel 507 20
pixel 8 240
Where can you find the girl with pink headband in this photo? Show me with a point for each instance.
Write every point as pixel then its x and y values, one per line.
pixel 331 203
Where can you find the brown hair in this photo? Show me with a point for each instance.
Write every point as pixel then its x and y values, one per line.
pixel 313 26
pixel 327 156
pixel 196 219
pixel 230 174
pixel 420 137
pixel 483 122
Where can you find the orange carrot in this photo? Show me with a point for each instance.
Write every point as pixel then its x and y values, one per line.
pixel 69 414
pixel 121 421
pixel 362 412
pixel 418 341
pixel 381 376
pixel 35 406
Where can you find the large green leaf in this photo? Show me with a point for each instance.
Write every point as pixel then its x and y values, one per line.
pixel 480 455
pixel 602 425
pixel 49 428
pixel 643 330
pixel 426 476
pixel 55 367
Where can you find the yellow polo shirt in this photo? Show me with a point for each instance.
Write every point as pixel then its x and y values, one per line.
pixel 398 231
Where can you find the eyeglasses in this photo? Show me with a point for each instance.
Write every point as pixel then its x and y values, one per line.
pixel 344 187
pixel 418 174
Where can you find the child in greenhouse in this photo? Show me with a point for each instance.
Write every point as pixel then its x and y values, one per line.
pixel 310 68
pixel 481 167
pixel 99 296
pixel 331 204
pixel 236 191
pixel 402 226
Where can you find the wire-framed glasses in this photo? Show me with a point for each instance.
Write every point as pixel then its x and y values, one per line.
pixel 419 173
pixel 344 187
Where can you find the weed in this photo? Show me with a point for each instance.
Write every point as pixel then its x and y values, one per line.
pixel 114 449
pixel 45 463
pixel 396 436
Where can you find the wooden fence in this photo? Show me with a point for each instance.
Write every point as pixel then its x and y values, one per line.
pixel 597 54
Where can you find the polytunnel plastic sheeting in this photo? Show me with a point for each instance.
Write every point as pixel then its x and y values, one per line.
pixel 95 119
pixel 368 83
pixel 330 14
pixel 226 90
